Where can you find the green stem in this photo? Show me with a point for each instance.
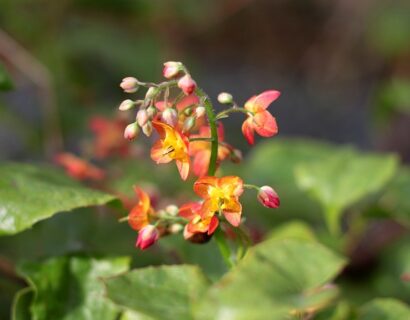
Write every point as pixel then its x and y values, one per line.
pixel 214 131
pixel 223 247
pixel 251 186
pixel 201 139
pixel 224 113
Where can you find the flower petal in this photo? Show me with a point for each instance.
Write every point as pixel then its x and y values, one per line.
pixel 234 218
pixel 189 210
pixel 265 124
pixel 232 183
pixel 247 130
pixel 201 163
pixel 213 224
pixel 138 218
pixel 263 100
pixel 143 198
pixel 158 154
pixel 183 168
pixel 202 184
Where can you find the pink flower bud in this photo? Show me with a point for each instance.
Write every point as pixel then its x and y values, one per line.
pixel 170 116
pixel 147 236
pixel 129 84
pixel 172 69
pixel 126 105
pixel 225 98
pixel 200 111
pixel 131 131
pixel 142 117
pixel 147 129
pixel 268 197
pixel 187 84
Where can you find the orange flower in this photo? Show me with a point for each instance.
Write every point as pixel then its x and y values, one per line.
pixel 259 119
pixel 201 150
pixel 220 195
pixel 78 168
pixel 109 139
pixel 139 215
pixel 191 211
pixel 172 145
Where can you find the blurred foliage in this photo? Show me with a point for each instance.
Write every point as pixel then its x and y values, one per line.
pixel 53 192
pixel 88 46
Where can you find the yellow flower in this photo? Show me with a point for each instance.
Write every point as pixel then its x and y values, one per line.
pixel 172 145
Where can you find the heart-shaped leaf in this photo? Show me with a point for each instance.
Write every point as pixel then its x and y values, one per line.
pixel 31 193
pixel 165 292
pixel 69 288
pixel 343 178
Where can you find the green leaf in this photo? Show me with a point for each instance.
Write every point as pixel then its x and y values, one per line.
pixel 293 230
pixel 31 193
pixel 70 287
pixel 21 304
pixel 273 163
pixel 165 292
pixel 344 178
pixel 396 198
pixel 384 309
pixel 5 81
pixel 276 279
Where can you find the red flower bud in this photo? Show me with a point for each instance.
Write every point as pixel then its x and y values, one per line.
pixel 129 84
pixel 131 131
pixel 187 84
pixel 147 236
pixel 172 69
pixel 142 117
pixel 268 197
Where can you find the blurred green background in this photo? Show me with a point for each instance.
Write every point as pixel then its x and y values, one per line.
pixel 343 68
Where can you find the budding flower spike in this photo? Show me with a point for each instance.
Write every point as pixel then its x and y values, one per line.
pixel 192 135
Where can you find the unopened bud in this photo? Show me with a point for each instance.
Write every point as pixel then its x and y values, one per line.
pixel 151 93
pixel 200 111
pixel 225 98
pixel 187 84
pixel 175 228
pixel 170 116
pixel 236 156
pixel 172 69
pixel 126 105
pixel 147 128
pixel 189 123
pixel 131 131
pixel 147 236
pixel 172 210
pixel 151 111
pixel 142 117
pixel 129 84
pixel 268 197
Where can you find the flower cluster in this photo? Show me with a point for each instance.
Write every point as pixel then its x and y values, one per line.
pixel 191 134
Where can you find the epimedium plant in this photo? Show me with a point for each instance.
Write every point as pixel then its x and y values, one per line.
pixel 179 119
pixel 289 275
